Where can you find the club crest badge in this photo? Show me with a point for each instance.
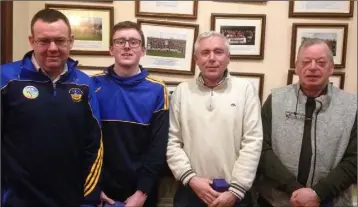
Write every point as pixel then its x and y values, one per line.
pixel 76 94
pixel 30 92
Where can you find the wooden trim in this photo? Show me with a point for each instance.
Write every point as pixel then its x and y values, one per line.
pixel 6 31
pixel 293 14
pixel 138 13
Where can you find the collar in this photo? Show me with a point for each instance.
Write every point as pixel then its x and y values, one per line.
pixel 222 82
pixel 323 100
pixel 127 81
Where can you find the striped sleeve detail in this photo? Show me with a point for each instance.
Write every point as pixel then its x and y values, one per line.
pixel 98 74
pixel 237 190
pixel 187 176
pixel 94 174
pixel 165 95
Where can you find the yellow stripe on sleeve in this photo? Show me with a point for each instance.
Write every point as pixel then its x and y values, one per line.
pixel 93 176
pixel 166 100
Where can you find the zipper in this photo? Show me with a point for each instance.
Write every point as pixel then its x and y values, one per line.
pixel 211 99
pixel 54 89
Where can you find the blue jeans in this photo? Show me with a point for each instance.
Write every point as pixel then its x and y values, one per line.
pixel 186 197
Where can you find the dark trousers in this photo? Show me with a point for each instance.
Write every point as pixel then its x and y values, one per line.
pixel 186 197
pixel 262 202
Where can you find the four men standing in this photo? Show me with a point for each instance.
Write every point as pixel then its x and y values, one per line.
pixel 53 117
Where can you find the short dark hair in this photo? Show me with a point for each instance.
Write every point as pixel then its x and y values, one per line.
pixel 49 16
pixel 128 25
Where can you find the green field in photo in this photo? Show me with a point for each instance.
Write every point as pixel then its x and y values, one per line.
pixel 165 54
pixel 88 36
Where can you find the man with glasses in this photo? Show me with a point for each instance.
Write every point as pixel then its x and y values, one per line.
pixel 51 151
pixel 135 120
pixel 309 155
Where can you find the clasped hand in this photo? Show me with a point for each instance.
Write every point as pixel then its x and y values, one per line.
pixel 212 198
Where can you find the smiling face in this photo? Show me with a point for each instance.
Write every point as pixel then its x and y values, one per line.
pixel 212 57
pixel 51 43
pixel 127 48
pixel 314 66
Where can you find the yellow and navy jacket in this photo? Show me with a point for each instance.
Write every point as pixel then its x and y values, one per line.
pixel 51 148
pixel 135 125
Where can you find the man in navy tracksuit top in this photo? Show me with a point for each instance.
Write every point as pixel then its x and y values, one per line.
pixel 51 149
pixel 134 115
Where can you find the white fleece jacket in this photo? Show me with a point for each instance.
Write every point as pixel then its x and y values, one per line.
pixel 215 133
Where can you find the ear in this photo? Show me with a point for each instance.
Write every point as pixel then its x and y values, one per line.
pixel 32 41
pixel 143 51
pixel 72 39
pixel 110 50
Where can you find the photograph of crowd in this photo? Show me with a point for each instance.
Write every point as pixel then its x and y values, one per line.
pixel 86 28
pixel 165 47
pixel 239 35
pixel 330 38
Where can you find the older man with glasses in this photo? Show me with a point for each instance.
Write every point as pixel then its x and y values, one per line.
pixel 51 137
pixel 135 119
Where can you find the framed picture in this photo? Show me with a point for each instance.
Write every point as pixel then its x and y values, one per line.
pixel 91 26
pixel 334 34
pixel 245 32
pixel 167 9
pixel 256 78
pixel 337 78
pixel 171 86
pixel 321 9
pixel 169 46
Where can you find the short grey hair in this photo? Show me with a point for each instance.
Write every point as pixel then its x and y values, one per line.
pixel 315 41
pixel 210 34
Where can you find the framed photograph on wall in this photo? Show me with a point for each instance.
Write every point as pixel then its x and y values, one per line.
pixel 334 34
pixel 91 26
pixel 321 9
pixel 337 78
pixel 167 9
pixel 245 32
pixel 171 86
pixel 169 46
pixel 256 78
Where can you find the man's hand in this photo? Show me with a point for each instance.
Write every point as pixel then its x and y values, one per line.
pixel 136 200
pixel 304 197
pixel 203 190
pixel 226 199
pixel 105 199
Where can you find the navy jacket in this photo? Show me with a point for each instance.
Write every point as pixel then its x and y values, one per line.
pixel 51 152
pixel 135 121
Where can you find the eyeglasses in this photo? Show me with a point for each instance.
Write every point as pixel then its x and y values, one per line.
pixel 60 42
pixel 121 42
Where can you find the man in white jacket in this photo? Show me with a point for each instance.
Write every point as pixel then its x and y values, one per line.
pixel 215 130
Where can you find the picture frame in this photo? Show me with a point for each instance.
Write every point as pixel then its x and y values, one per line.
pixel 321 9
pixel 171 86
pixel 245 32
pixel 335 34
pixel 167 9
pixel 91 26
pixel 169 46
pixel 256 78
pixel 337 78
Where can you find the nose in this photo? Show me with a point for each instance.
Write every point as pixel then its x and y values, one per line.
pixel 313 65
pixel 52 46
pixel 126 44
pixel 211 56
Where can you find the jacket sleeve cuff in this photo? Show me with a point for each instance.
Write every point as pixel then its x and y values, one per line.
pixel 291 186
pixel 185 178
pixel 145 185
pixel 322 191
pixel 237 190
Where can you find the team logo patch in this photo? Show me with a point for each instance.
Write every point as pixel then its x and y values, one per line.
pixel 30 92
pixel 76 94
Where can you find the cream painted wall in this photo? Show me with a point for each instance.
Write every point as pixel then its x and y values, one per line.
pixel 275 65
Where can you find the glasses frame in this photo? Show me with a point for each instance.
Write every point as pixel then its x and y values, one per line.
pixel 129 44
